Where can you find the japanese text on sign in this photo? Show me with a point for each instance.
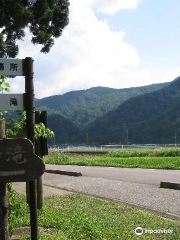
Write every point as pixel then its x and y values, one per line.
pixel 13 102
pixel 14 154
pixel 11 67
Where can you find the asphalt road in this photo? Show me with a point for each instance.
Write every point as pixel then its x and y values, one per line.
pixel 139 187
pixel 134 175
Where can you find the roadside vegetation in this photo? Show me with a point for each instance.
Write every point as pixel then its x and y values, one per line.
pixel 155 159
pixel 73 217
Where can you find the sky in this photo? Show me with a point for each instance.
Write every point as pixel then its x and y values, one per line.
pixel 109 43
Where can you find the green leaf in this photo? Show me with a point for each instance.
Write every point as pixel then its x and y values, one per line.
pixel 7 85
pixel 7 90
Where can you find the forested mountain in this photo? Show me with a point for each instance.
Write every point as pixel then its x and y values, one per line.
pixel 83 107
pixel 149 118
pixel 152 116
pixel 65 131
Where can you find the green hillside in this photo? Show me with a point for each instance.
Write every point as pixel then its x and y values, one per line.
pixel 65 131
pixel 149 118
pixel 83 107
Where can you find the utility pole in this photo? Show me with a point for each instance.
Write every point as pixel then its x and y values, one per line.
pixel 87 139
pixel 175 139
pixel 127 137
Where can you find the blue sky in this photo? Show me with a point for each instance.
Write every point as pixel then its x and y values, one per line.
pixel 153 28
pixel 111 43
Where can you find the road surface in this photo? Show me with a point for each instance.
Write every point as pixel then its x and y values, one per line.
pixel 135 175
pixel 137 187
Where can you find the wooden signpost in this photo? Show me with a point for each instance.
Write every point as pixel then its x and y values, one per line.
pixel 18 162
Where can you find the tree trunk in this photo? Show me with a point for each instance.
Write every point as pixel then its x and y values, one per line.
pixel 4 230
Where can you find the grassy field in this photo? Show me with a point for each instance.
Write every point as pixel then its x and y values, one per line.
pixel 75 217
pixel 155 159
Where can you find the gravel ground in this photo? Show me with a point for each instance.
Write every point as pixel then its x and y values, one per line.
pixel 48 191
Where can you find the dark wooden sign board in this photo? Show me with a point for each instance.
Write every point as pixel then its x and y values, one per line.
pixel 18 162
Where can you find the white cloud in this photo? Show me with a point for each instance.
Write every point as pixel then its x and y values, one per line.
pixel 166 75
pixel 113 6
pixel 89 53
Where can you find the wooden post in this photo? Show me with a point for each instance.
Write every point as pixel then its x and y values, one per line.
pixel 44 140
pixel 38 151
pixel 41 150
pixel 4 229
pixel 30 121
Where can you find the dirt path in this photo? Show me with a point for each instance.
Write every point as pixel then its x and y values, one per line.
pixel 48 191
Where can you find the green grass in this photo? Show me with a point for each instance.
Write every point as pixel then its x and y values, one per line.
pixel 124 159
pixel 76 217
pixel 157 152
